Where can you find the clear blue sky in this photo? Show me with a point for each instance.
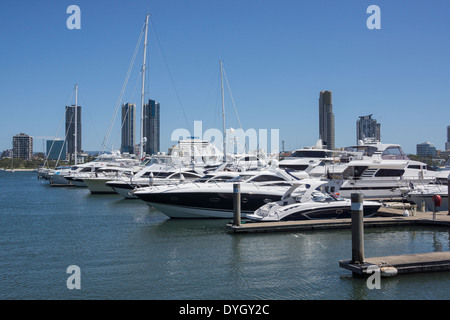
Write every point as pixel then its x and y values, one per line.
pixel 277 55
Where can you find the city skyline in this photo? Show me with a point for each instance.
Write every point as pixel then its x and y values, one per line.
pixel 277 56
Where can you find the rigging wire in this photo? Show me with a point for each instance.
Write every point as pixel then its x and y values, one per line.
pixel 170 74
pixel 119 100
pixel 57 133
pixel 232 99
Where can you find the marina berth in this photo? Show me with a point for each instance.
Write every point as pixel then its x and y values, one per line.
pixel 379 178
pixel 151 176
pixel 307 200
pixel 96 182
pixel 215 199
pixel 422 194
pixel 71 176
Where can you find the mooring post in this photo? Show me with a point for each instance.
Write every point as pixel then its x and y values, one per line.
pixel 236 204
pixel 357 229
pixel 434 210
pixel 448 194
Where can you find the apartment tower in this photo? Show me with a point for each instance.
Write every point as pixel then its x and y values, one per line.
pixel 326 120
pixel 128 127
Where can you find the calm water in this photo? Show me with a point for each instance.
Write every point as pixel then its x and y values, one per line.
pixel 126 251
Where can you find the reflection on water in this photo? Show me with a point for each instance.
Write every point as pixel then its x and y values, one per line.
pixel 126 250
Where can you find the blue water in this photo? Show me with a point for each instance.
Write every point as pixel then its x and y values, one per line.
pixel 127 251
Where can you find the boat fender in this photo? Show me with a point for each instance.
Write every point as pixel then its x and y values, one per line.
pixel 406 213
pixel 388 271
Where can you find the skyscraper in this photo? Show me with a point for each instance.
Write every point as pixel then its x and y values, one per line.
pixel 128 127
pixel 426 149
pixel 366 127
pixel 56 149
pixel 151 127
pixel 70 130
pixel 326 119
pixel 22 146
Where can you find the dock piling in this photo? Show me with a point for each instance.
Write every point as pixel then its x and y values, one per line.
pixel 357 229
pixel 236 204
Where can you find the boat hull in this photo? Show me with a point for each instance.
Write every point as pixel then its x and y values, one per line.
pixel 98 186
pixel 123 189
pixel 298 212
pixel 58 179
pixel 205 205
pixel 419 198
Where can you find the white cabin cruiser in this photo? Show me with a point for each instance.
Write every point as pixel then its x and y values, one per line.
pixel 378 178
pixel 305 159
pixel 306 201
pixel 96 182
pixel 215 199
pixel 154 175
pixel 424 193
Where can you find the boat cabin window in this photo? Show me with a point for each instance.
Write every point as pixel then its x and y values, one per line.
pixel 157 174
pixel 323 197
pixel 413 166
pixel 353 172
pixel 188 175
pixel 250 158
pixel 393 152
pixel 241 178
pixel 311 154
pixel 263 178
pixel 299 167
pixel 389 173
pixel 222 178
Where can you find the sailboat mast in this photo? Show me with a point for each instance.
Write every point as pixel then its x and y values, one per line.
pixel 141 145
pixel 223 115
pixel 76 124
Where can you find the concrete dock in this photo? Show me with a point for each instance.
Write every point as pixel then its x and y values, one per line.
pixel 386 217
pixel 409 263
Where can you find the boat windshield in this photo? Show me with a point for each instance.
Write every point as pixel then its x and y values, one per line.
pixel 311 154
pixel 325 197
pixel 241 178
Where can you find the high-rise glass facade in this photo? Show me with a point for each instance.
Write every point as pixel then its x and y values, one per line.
pixel 70 130
pixel 128 127
pixel 326 120
pixel 151 128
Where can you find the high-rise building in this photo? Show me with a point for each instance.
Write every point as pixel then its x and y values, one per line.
pixel 366 127
pixel 326 119
pixel 151 127
pixel 56 149
pixel 22 146
pixel 425 149
pixel 70 130
pixel 447 144
pixel 128 127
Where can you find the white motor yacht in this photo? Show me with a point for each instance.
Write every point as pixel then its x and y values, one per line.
pixel 423 193
pixel 215 199
pixel 305 159
pixel 153 175
pixel 378 178
pixel 306 201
